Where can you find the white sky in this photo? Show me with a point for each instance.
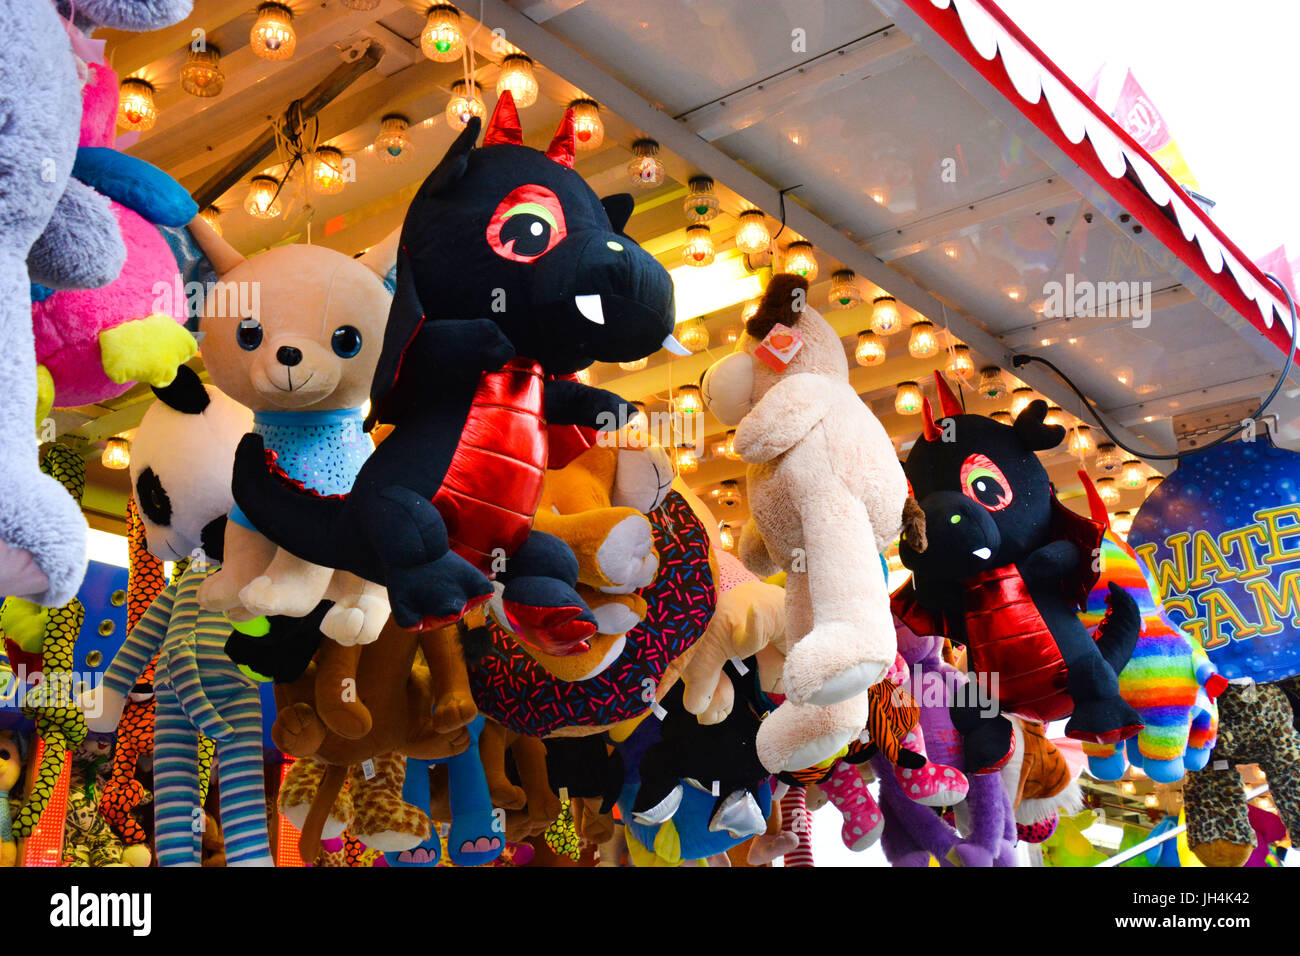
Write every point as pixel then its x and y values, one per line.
pixel 1224 77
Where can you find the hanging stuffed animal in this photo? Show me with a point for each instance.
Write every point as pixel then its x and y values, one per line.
pixel 93 344
pixel 180 457
pixel 510 273
pixel 826 496
pixel 476 836
pixel 1168 679
pixel 1006 572
pixel 517 687
pixel 914 834
pixel 61 234
pixel 1257 724
pixel 529 803
pixel 894 731
pixel 598 505
pixel 39 643
pixel 11 768
pixel 123 792
pixel 302 360
pixel 340 783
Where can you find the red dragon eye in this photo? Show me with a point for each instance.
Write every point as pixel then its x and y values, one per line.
pixel 527 224
pixel 983 481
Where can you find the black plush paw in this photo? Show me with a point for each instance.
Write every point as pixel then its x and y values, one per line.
pixel 435 593
pixel 988 745
pixel 1106 721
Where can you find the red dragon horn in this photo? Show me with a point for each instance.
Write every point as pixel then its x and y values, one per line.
pixel 947 400
pixel 931 432
pixel 563 148
pixel 504 126
pixel 1096 507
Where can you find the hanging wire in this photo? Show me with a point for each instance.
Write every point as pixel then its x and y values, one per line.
pixel 1019 361
pixel 781 196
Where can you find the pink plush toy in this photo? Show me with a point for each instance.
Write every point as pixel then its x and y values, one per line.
pixel 93 344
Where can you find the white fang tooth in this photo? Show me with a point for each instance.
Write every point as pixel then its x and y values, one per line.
pixel 591 308
pixel 672 345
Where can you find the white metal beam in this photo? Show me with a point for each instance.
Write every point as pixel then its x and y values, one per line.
pixel 851 63
pixel 924 233
pixel 539 11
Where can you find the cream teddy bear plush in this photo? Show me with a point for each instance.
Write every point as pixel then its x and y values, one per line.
pixel 827 496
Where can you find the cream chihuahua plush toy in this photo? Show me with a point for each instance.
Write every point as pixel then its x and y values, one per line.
pixel 303 364
pixel 827 496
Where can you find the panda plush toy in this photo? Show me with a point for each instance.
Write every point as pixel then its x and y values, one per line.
pixel 181 462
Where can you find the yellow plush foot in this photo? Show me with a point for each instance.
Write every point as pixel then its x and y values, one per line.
pixel 146 350
pixel 44 396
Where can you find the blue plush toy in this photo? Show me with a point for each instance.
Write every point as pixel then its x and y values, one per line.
pixel 477 834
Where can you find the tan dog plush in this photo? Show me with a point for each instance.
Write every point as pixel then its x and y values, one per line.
pixel 827 496
pixel 303 363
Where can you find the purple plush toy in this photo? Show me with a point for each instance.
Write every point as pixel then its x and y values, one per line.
pixel 914 833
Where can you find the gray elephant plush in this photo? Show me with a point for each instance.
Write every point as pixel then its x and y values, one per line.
pixel 61 234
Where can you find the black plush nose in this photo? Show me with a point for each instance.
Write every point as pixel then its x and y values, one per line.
pixel 288 355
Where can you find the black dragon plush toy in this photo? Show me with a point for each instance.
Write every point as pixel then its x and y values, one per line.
pixel 1006 571
pixel 511 276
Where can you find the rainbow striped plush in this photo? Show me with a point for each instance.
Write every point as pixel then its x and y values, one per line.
pixel 1164 680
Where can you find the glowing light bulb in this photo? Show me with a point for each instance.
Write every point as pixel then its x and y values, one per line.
pixel 466 102
pixel 698 250
pixel 201 75
pixel 800 260
pixel 701 202
pixel 1082 443
pixel 262 201
pixel 752 235
pixel 885 319
pixel 870 350
pixel 689 400
pixel 588 128
pixel 923 342
pixel 272 36
pixel 135 108
pixel 117 454
pixel 647 169
pixel 960 364
pixel 907 400
pixel 1108 491
pixel 1132 475
pixel 517 76
pixel 844 293
pixel 442 40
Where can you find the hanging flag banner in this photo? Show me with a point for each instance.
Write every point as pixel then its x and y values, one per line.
pixel 1131 107
pixel 1220 538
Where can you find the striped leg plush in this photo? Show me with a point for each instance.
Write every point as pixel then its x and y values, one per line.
pixel 243 793
pixel 178 815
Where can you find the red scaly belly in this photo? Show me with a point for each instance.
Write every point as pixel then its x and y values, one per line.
pixel 494 482
pixel 1008 637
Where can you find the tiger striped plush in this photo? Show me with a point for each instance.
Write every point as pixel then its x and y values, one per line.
pixel 893 730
